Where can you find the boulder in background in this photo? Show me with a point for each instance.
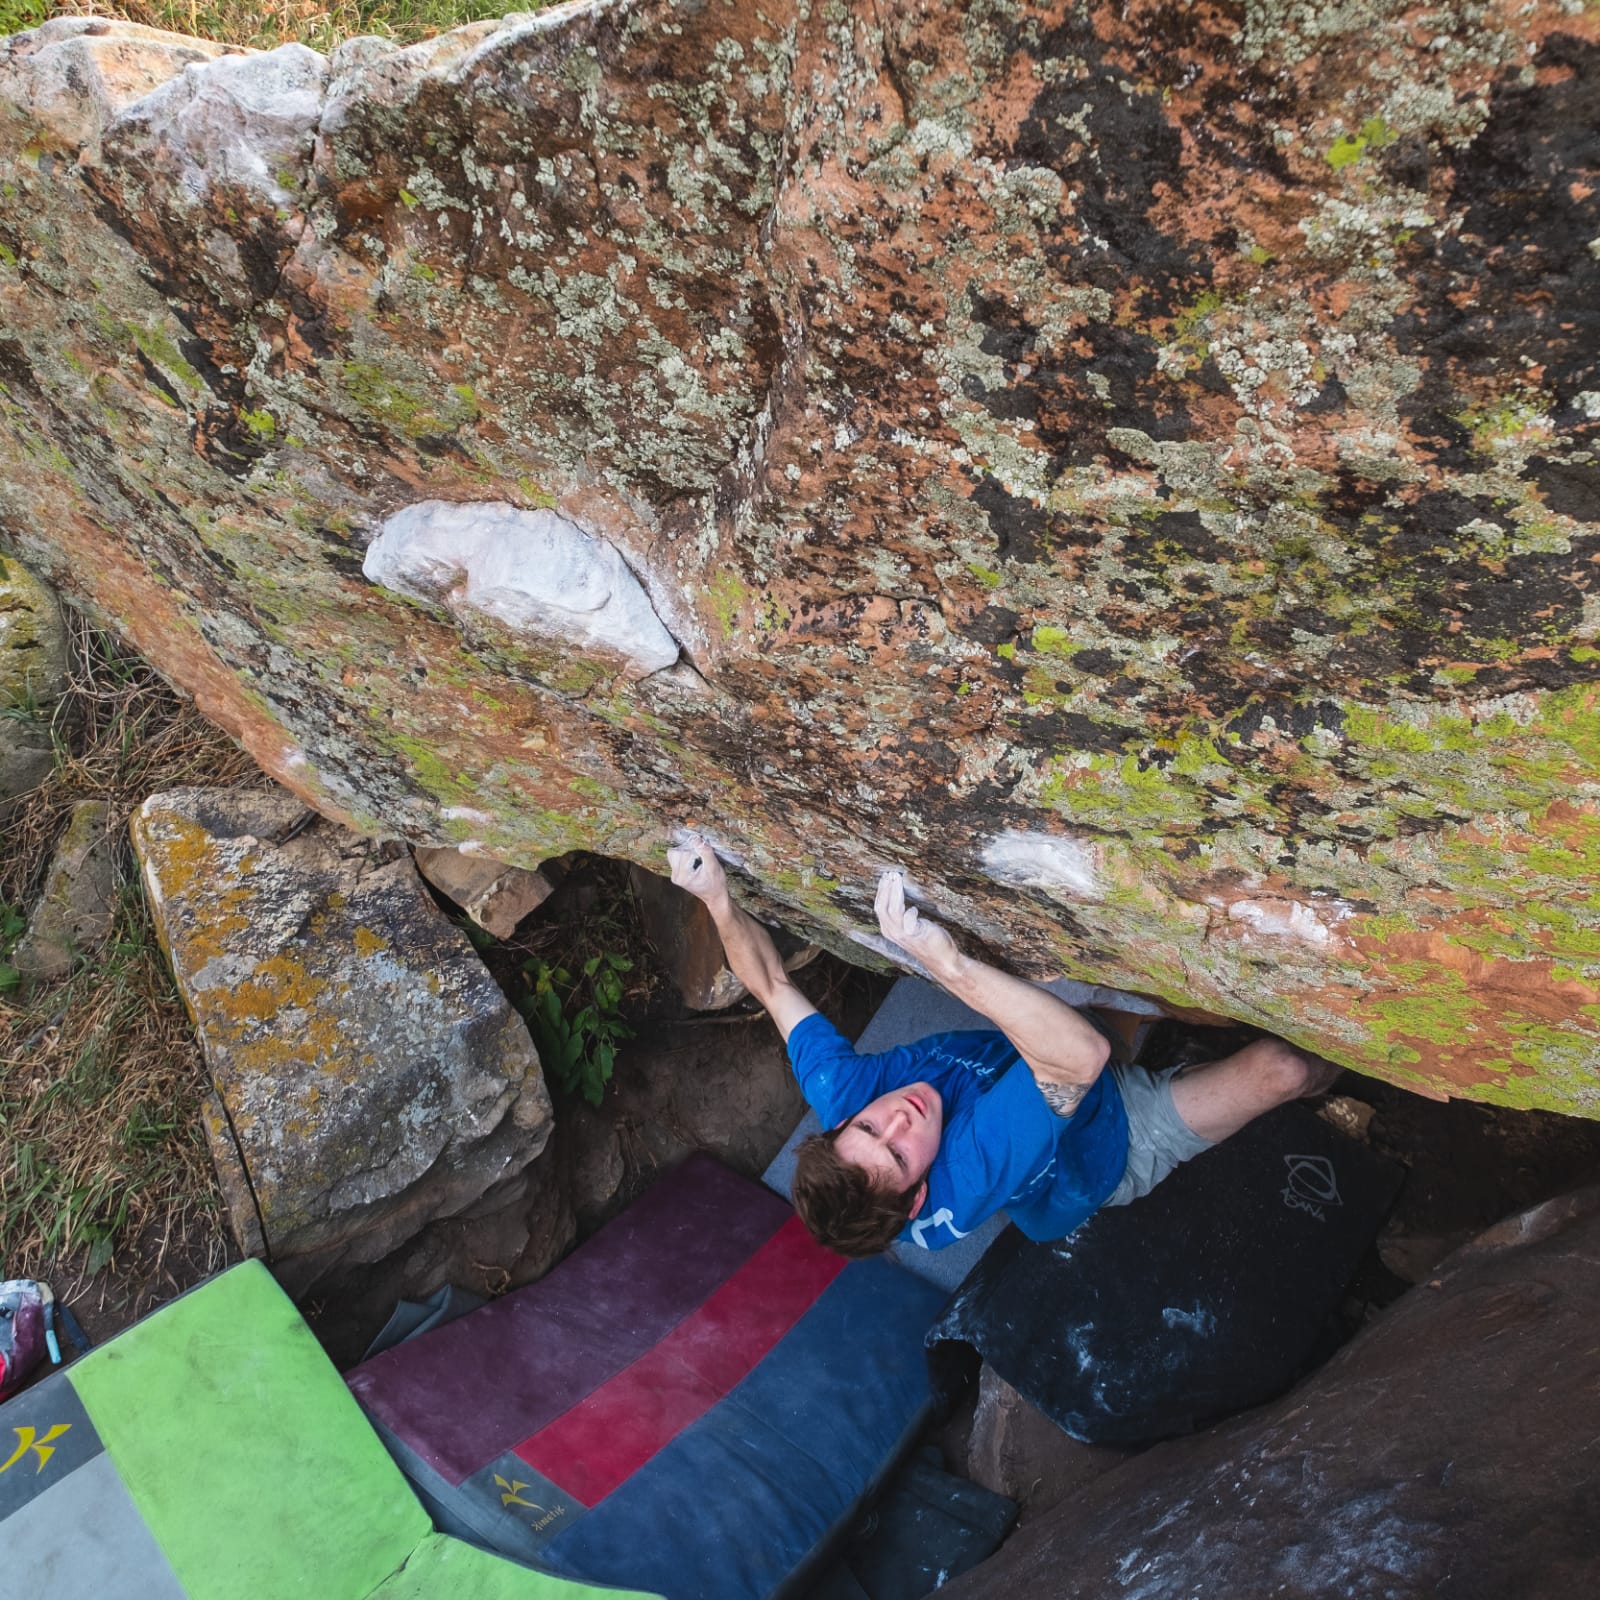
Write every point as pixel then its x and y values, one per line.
pixel 370 1074
pixel 77 907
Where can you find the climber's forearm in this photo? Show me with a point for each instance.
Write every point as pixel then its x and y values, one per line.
pixel 753 959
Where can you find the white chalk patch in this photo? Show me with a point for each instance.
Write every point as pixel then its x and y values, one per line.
pixel 1289 919
pixel 1044 861
pixel 890 951
pixel 533 571
pixel 1196 1320
pixel 683 838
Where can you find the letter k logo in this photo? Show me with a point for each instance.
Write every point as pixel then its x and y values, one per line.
pixel 28 1439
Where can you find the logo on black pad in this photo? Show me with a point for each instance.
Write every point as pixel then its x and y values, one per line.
pixel 1311 1186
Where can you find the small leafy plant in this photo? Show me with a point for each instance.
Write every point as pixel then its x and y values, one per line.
pixel 576 1022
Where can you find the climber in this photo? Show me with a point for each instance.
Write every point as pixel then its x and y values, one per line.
pixel 1034 1119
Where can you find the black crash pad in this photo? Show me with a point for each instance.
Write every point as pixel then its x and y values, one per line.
pixel 927 1528
pixel 1209 1295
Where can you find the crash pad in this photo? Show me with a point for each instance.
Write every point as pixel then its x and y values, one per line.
pixel 696 1401
pixel 211 1452
pixel 1210 1294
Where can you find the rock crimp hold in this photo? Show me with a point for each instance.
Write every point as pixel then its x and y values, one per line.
pixel 370 1075
pixel 1135 466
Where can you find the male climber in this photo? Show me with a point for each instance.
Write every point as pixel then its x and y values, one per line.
pixel 958 1126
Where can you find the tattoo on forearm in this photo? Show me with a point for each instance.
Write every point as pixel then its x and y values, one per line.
pixel 1062 1098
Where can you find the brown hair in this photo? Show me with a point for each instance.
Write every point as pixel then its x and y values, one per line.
pixel 840 1205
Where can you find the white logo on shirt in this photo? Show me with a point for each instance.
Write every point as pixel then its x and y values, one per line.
pixel 944 1217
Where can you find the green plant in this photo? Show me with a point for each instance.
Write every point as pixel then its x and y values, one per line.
pixel 17 15
pixel 321 24
pixel 576 1021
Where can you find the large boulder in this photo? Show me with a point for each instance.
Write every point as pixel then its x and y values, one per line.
pixel 1445 1454
pixel 1132 465
pixel 370 1076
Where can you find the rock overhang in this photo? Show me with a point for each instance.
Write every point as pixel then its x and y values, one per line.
pixel 1137 477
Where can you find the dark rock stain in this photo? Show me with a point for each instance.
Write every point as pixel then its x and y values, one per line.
pixel 1518 279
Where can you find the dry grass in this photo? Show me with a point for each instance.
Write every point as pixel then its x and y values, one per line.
pixel 315 23
pixel 102 1152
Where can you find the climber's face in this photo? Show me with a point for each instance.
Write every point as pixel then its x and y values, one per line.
pixel 895 1138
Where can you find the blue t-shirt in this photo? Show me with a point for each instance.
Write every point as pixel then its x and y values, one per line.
pixel 1001 1148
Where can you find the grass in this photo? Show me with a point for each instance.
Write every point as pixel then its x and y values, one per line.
pixel 102 1149
pixel 262 26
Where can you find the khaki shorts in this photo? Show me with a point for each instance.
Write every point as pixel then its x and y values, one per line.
pixel 1158 1138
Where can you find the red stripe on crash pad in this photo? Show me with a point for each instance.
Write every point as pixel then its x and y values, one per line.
pixel 605 1438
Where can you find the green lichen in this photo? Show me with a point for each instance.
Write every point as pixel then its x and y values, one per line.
pixel 1194 315
pixel 535 496
pixel 729 596
pixel 592 790
pixel 985 575
pixel 1507 420
pixel 261 423
pixel 1349 148
pixel 380 396
pixel 157 346
pixel 1053 641
pixel 1120 793
pixel 435 776
pixel 1437 1008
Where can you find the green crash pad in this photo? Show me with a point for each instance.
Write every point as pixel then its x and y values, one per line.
pixel 212 1452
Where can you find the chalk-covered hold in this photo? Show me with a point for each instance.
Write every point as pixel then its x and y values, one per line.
pixel 1048 861
pixel 1292 920
pixel 532 571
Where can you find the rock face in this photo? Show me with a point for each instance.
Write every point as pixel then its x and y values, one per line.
pixel 1131 465
pixel 33 677
pixel 495 896
pixel 370 1076
pixel 77 907
pixel 1444 1453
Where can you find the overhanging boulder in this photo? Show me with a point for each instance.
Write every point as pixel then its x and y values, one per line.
pixel 1131 465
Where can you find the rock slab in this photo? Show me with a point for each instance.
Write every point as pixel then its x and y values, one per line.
pixel 370 1075
pixel 495 896
pixel 76 909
